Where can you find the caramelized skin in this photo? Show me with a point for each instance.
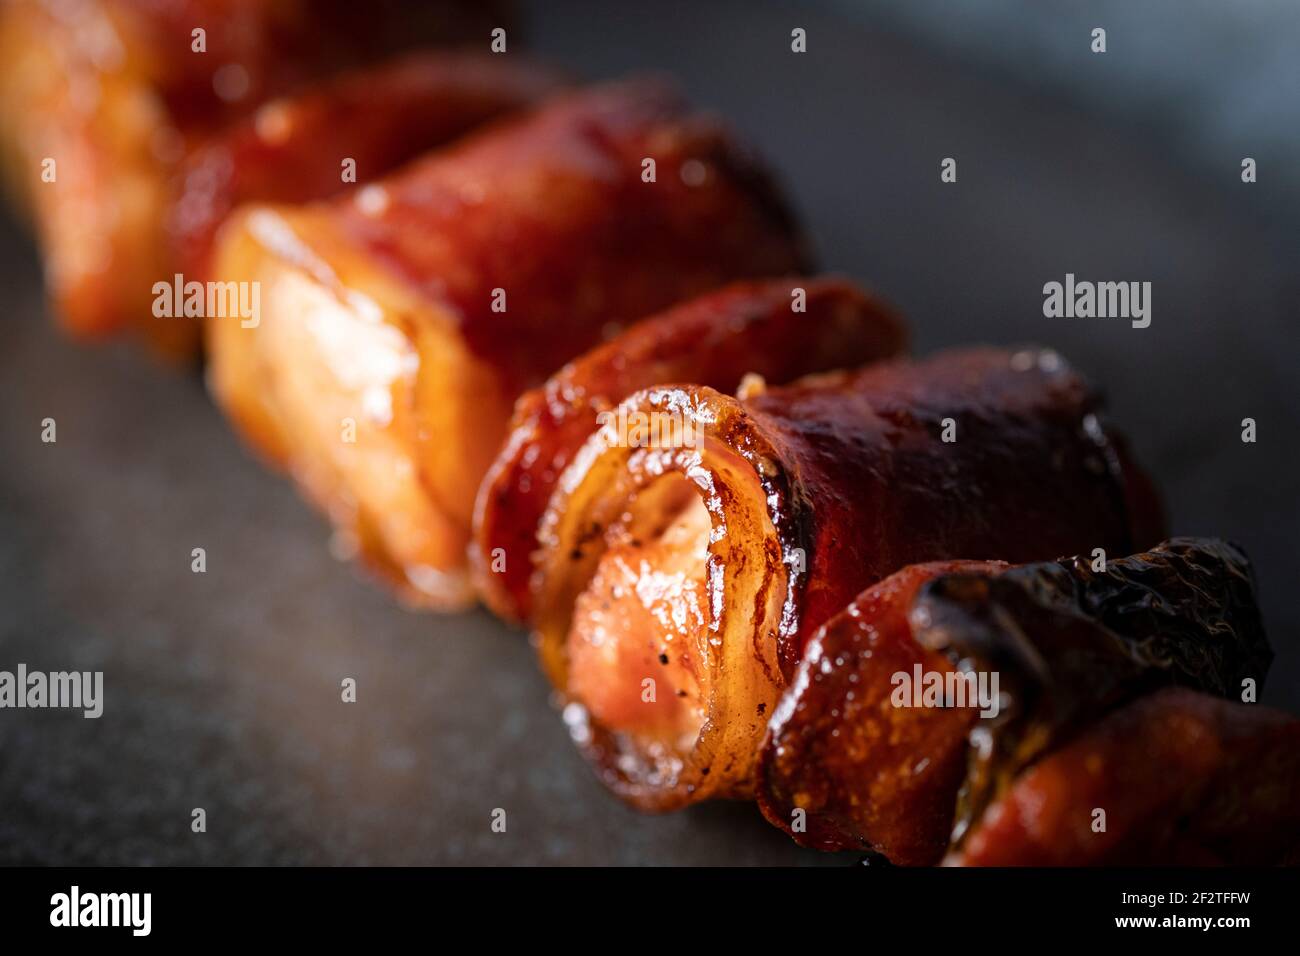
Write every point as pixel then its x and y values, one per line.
pixel 292 148
pixel 866 774
pixel 378 308
pixel 1068 643
pixel 817 490
pixel 714 340
pixel 1031 472
pixel 554 211
pixel 1184 779
pixel 282 45
pixel 113 91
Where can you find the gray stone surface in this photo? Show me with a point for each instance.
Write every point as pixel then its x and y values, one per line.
pixel 222 689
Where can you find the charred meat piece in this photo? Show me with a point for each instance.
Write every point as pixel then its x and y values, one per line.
pixel 698 572
pixel 1059 643
pixel 777 329
pixel 1176 778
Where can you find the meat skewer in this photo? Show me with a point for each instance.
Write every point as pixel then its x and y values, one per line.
pixel 679 585
pixel 399 325
pixel 869 767
pixel 696 589
pixel 776 329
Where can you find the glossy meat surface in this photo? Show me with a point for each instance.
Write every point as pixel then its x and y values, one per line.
pixel 1071 641
pixel 417 307
pixel 1067 644
pixel 817 490
pixel 842 766
pixel 636 659
pixel 556 212
pixel 292 148
pixel 1183 779
pixel 1030 472
pixel 715 340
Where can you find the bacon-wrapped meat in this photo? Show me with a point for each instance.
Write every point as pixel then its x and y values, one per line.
pixel 115 93
pixel 292 149
pixel 777 329
pixel 1176 778
pixel 679 584
pixel 857 758
pixel 398 325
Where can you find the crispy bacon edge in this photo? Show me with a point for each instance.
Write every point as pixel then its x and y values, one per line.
pixel 815 491
pixel 715 340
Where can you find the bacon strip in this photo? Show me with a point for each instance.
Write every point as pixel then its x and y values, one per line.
pixel 805 495
pixel 856 765
pixel 1183 779
pixel 418 309
pixel 841 767
pixel 291 150
pixel 115 93
pixel 714 340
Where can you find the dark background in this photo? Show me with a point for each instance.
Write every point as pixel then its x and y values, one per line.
pixel 222 690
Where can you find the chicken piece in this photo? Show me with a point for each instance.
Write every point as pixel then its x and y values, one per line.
pixel 644 619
